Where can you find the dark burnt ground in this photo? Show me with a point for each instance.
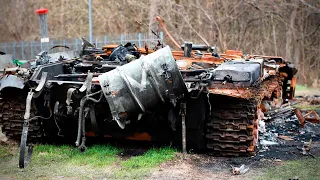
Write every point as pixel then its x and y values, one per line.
pixel 202 166
pixel 129 148
pixel 128 153
pixel 275 155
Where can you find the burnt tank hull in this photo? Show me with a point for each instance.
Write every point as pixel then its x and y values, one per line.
pixel 151 98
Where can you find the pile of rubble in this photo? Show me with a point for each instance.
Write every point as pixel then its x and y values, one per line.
pixel 288 126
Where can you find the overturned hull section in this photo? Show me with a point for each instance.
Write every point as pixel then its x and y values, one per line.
pixel 135 88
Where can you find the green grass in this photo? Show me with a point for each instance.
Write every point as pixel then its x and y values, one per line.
pixel 139 166
pixel 302 90
pixel 4 151
pixel 303 169
pixel 152 158
pixel 97 156
pixel 307 107
pixel 300 87
pixel 98 162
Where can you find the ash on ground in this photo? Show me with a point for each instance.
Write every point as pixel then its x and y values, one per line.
pixel 283 136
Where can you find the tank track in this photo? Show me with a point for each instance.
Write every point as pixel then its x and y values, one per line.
pixel 232 129
pixel 12 109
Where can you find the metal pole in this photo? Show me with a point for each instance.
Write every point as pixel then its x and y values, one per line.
pixel 183 109
pixel 31 44
pixel 105 40
pixel 76 44
pixel 22 50
pixel 14 50
pixel 140 39
pixel 121 39
pixel 43 29
pixel 5 48
pixel 90 20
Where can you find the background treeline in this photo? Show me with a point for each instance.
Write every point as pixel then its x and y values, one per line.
pixel 288 28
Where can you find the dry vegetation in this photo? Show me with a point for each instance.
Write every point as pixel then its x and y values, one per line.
pixel 288 28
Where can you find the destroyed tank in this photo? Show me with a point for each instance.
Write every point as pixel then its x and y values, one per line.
pixel 212 104
pixel 208 101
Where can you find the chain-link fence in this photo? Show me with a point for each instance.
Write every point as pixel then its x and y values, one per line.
pixel 29 49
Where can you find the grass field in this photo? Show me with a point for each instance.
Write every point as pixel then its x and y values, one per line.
pixel 66 162
pixel 300 169
pixel 302 90
pixel 105 162
pixel 306 91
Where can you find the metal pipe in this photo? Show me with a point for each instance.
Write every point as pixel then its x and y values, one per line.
pixel 80 119
pixel 90 20
pixel 167 32
pixel 194 71
pixel 183 124
pixel 75 75
pixel 187 49
pixel 184 146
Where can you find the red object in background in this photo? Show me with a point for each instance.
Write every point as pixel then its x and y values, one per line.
pixel 42 11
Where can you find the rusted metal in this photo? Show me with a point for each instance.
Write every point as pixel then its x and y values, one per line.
pixel 239 107
pixel 12 108
pixel 300 117
pixel 167 32
pixel 183 108
pixel 292 87
pixel 225 109
pixel 312 116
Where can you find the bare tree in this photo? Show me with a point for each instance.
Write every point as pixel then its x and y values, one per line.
pixel 288 28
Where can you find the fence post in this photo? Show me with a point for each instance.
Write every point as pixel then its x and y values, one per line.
pixel 121 39
pixel 52 45
pixel 14 50
pixel 76 44
pixel 161 36
pixel 32 50
pixel 5 48
pixel 140 39
pixel 22 50
pixel 105 40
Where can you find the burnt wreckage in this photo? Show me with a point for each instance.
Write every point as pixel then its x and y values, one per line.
pixel 209 101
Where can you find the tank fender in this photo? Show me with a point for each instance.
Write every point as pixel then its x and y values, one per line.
pixel 11 81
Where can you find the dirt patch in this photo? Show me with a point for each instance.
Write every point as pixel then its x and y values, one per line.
pixel 3 138
pixel 288 135
pixel 128 153
pixel 202 167
pixel 308 92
